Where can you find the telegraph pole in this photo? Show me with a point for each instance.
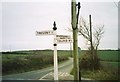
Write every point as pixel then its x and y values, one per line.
pixel 75 38
pixel 91 42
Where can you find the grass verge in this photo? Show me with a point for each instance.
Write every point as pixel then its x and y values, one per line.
pixel 100 75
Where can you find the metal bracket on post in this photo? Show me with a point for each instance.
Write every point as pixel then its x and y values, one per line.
pixel 78 11
pixel 77 15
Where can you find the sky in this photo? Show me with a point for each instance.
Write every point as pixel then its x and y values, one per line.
pixel 20 21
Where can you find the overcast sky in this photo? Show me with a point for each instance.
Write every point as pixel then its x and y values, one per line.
pixel 20 20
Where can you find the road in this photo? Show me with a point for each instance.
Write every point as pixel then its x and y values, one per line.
pixel 64 70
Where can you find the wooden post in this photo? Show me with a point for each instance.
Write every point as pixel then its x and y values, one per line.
pixel 75 40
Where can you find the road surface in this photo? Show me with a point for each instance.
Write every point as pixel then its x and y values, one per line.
pixel 64 70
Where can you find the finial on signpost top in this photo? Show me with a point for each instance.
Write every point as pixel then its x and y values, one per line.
pixel 54 24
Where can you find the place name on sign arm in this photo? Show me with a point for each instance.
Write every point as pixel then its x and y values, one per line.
pixel 44 32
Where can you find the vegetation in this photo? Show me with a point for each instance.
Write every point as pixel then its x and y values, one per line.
pixel 105 55
pixel 86 61
pixel 100 74
pixel 109 65
pixel 22 61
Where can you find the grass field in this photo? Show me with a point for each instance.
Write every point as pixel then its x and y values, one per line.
pixel 109 59
pixel 21 61
pixel 110 65
pixel 108 55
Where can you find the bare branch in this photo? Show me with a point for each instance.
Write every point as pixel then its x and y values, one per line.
pixel 84 30
pixel 99 31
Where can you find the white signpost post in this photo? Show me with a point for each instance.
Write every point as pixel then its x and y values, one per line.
pixel 55 53
pixel 57 39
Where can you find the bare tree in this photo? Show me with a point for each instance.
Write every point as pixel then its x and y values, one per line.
pixel 84 30
pixel 97 32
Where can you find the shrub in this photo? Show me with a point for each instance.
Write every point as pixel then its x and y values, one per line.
pixel 87 62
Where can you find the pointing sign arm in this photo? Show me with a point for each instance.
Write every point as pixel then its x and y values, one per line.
pixel 50 32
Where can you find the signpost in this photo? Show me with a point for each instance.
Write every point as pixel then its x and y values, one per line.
pixel 55 53
pixel 57 39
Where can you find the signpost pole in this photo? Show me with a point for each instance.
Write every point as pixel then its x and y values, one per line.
pixel 55 53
